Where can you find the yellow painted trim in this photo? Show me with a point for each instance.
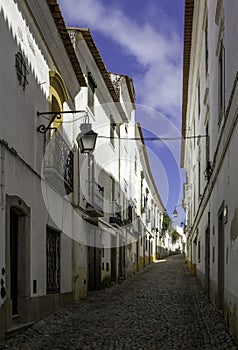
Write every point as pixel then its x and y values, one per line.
pixel 53 93
pixel 59 91
pixel 57 82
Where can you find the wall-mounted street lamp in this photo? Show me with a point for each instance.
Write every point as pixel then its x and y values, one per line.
pixel 86 139
pixel 175 212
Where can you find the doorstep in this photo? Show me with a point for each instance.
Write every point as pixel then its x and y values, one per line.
pixel 18 328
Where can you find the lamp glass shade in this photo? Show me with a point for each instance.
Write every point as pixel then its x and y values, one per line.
pixel 87 138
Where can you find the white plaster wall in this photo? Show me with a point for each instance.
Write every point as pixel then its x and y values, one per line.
pixel 225 184
pixel 18 124
pixel 30 192
pixel 19 121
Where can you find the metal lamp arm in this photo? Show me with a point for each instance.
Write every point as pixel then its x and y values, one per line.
pixel 56 115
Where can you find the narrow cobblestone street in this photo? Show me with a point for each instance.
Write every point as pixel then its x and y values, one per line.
pixel 161 307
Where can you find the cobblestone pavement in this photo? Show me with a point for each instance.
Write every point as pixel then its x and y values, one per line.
pixel 161 307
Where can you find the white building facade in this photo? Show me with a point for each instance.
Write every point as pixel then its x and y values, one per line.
pixel 70 222
pixel 36 255
pixel 210 110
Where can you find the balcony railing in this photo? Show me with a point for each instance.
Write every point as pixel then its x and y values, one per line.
pixel 58 165
pixel 115 214
pixel 95 200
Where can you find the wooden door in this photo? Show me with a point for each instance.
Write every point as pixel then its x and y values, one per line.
pixel 220 301
pixel 14 260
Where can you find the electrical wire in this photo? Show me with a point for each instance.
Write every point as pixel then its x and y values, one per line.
pixel 63 122
pixel 154 138
pixel 133 138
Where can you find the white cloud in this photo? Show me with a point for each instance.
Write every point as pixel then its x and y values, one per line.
pixel 156 50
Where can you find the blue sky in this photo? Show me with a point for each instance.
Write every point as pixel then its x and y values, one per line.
pixel 144 39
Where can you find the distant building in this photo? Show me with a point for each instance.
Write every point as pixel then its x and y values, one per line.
pixel 210 110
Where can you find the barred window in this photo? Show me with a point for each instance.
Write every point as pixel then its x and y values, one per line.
pixel 53 261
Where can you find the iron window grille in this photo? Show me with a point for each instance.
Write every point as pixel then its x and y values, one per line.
pixel 53 261
pixel 21 69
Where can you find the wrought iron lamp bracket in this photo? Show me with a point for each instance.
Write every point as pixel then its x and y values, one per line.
pixel 56 115
pixel 42 128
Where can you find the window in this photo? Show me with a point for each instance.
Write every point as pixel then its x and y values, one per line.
pixel 91 92
pixel 136 163
pixel 206 46
pixel 21 69
pixel 113 189
pixel 194 199
pixel 149 213
pixel 194 132
pixel 130 213
pixel 220 83
pixel 199 99
pixel 53 261
pixel 199 251
pixel 145 201
pixel 112 131
pixel 107 266
pixel 91 179
pixel 207 145
pixel 199 178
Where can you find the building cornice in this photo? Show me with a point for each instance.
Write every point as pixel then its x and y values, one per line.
pixel 188 25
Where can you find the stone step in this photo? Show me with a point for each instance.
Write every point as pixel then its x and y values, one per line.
pixel 18 328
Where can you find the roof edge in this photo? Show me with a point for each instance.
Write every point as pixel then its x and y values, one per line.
pixel 60 24
pixel 188 25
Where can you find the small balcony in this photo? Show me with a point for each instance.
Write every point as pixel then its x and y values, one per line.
pixel 115 214
pixel 95 200
pixel 59 164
